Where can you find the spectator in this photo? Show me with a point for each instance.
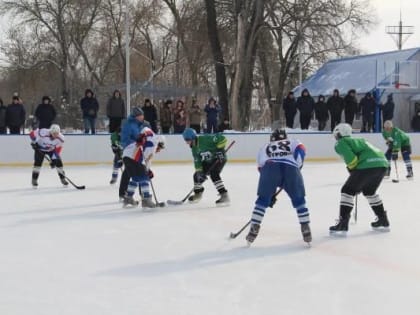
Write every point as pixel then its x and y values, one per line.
pixel 150 114
pixel 116 111
pixel 166 117
pixel 321 112
pixel 335 106
pixel 3 128
pixel 350 106
pixel 15 115
pixel 212 109
pixel 305 104
pixel 224 125
pixel 90 108
pixel 415 122
pixel 45 113
pixel 195 116
pixel 289 107
pixel 180 117
pixel 367 108
pixel 388 109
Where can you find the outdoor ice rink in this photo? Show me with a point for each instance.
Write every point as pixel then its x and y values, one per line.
pixel 67 251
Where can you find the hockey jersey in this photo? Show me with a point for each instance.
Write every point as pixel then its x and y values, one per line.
pixel 205 148
pixel 142 153
pixel 46 142
pixel 291 152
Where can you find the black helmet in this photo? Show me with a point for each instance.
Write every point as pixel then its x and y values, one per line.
pixel 278 134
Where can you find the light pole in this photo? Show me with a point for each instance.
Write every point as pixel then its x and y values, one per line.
pixel 127 59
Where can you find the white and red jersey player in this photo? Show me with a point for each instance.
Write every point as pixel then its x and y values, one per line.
pixel 47 141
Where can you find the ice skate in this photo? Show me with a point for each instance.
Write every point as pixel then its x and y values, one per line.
pixel 129 201
pixel 224 199
pixel 113 181
pixel 196 197
pixel 381 223
pixel 388 173
pixel 253 233
pixel 341 228
pixel 34 183
pixel 306 232
pixel 409 173
pixel 147 203
pixel 64 182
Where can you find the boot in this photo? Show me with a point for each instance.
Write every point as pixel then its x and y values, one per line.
pixel 306 232
pixel 129 201
pixel 34 182
pixel 381 222
pixel 224 199
pixel 148 203
pixel 409 173
pixel 196 197
pixel 388 173
pixel 253 233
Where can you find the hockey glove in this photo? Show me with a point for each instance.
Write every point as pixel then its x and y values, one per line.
pixel 35 145
pixel 394 155
pixel 220 157
pixel 150 174
pixel 199 177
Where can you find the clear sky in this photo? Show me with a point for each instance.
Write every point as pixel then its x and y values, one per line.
pixel 388 13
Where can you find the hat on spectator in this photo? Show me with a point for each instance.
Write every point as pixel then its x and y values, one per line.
pixel 136 111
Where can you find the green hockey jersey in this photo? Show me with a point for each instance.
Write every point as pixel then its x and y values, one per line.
pixel 205 148
pixel 358 154
pixel 397 138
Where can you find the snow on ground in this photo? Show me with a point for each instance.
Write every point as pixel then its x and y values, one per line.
pixel 67 251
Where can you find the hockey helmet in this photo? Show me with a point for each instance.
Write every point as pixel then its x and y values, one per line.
pixel 278 134
pixel 388 125
pixel 342 130
pixel 55 129
pixel 189 134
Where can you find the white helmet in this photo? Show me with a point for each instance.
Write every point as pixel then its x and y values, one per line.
pixel 388 124
pixel 55 129
pixel 342 130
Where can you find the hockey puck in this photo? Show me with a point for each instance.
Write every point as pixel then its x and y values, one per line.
pixel 161 204
pixel 395 181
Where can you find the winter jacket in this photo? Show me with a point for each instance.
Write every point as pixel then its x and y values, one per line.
pixel 3 109
pixel 15 115
pixel 131 129
pixel 367 106
pixel 115 108
pixel 388 109
pixel 89 105
pixel 166 116
pixel 289 106
pixel 350 105
pixel 212 112
pixel 321 110
pixel 45 114
pixel 335 105
pixel 195 115
pixel 150 114
pixel 305 104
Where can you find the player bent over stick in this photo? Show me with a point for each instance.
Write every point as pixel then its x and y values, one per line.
pixel 279 164
pixel 137 159
pixel 367 166
pixel 47 142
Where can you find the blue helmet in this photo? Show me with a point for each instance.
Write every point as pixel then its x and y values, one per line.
pixel 189 134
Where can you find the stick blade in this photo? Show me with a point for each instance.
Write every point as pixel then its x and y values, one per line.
pixel 395 181
pixel 174 202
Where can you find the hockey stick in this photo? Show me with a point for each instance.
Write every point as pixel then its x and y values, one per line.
pixel 235 235
pixel 160 204
pixel 62 173
pixel 396 172
pixel 180 202
pixel 355 209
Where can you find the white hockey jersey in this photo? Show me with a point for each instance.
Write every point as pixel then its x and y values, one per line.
pixel 287 151
pixel 46 142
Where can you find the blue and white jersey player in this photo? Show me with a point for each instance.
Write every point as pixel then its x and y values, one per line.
pixel 279 164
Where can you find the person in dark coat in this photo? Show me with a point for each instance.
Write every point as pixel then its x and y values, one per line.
pixel 3 126
pixel 321 112
pixel 166 116
pixel 15 116
pixel 90 108
pixel 350 106
pixel 180 117
pixel 224 125
pixel 335 106
pixel 305 105
pixel 388 109
pixel 367 109
pixel 212 109
pixel 116 111
pixel 415 122
pixel 289 107
pixel 150 114
pixel 45 113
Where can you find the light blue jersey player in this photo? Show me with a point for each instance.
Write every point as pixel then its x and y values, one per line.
pixel 279 164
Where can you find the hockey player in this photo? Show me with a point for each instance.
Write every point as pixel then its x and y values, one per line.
pixel 137 158
pixel 209 156
pixel 367 166
pixel 47 142
pixel 279 164
pixel 397 140
pixel 117 150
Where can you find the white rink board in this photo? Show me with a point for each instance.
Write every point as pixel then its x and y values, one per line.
pixel 94 149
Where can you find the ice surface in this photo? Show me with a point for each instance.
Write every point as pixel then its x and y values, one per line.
pixel 66 251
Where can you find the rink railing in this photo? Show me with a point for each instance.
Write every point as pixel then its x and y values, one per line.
pixel 96 149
